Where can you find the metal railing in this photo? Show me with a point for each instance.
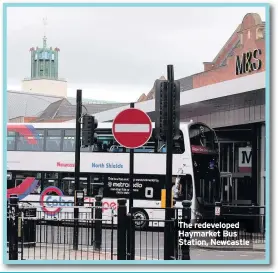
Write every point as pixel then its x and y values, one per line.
pixel 118 235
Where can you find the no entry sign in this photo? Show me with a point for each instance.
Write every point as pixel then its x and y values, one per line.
pixel 132 128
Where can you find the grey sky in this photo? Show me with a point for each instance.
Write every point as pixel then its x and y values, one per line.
pixel 117 53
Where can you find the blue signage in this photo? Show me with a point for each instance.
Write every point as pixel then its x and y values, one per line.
pixel 107 166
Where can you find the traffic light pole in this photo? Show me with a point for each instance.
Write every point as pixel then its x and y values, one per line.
pixel 77 162
pixel 131 170
pixel 168 249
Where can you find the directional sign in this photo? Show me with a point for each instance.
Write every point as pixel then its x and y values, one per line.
pixel 132 128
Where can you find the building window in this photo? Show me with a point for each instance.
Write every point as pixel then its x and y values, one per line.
pixel 53 140
pixel 41 68
pixel 259 33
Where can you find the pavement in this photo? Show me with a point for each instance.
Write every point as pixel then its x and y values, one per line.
pixel 45 253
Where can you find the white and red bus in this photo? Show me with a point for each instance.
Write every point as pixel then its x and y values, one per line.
pixel 40 168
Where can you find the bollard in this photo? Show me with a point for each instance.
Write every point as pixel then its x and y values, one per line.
pixel 13 225
pixel 98 223
pixel 171 246
pixel 128 236
pixel 218 218
pixel 122 228
pixel 186 217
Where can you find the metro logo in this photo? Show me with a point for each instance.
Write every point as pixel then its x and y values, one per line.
pixel 46 200
pixel 50 202
pixel 245 159
pixel 52 205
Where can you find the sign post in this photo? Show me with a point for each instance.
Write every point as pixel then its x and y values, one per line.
pixel 169 162
pixel 77 163
pixel 132 128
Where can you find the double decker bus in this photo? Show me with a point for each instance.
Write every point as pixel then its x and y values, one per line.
pixel 40 168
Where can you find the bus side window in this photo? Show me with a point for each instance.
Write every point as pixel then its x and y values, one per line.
pixel 185 188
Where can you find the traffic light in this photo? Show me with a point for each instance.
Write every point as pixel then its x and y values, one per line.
pixel 89 137
pixel 176 109
pixel 160 109
pixel 161 104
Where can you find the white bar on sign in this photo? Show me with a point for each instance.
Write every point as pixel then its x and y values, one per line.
pixel 132 128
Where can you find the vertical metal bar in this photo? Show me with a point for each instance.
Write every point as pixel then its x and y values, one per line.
pixel 186 217
pixel 112 235
pixel 131 172
pixel 254 169
pixel 98 225
pixel 13 220
pixel 121 232
pixel 77 162
pixel 169 161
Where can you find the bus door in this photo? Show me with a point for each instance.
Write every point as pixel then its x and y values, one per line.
pixel 227 190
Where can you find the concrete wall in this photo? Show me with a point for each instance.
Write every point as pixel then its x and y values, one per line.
pixel 46 87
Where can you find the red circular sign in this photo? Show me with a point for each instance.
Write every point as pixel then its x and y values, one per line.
pixel 132 128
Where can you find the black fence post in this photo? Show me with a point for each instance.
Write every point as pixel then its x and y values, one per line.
pixel 176 231
pixel 121 231
pixel 93 222
pixel 13 225
pixel 98 223
pixel 128 236
pixel 217 218
pixel 186 218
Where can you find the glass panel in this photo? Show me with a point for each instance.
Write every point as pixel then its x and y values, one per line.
pixel 104 143
pixel 53 132
pixel 97 185
pixel 50 182
pixel 31 142
pixel 70 132
pixel 69 144
pixel 11 141
pixel 36 177
pixel 67 187
pixel 201 135
pixel 183 188
pixel 207 177
pixel 83 186
pixel 53 140
pixel 51 175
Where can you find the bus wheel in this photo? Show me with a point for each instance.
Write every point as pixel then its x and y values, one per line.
pixel 140 219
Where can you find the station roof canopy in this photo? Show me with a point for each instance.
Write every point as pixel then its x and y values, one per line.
pixel 236 91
